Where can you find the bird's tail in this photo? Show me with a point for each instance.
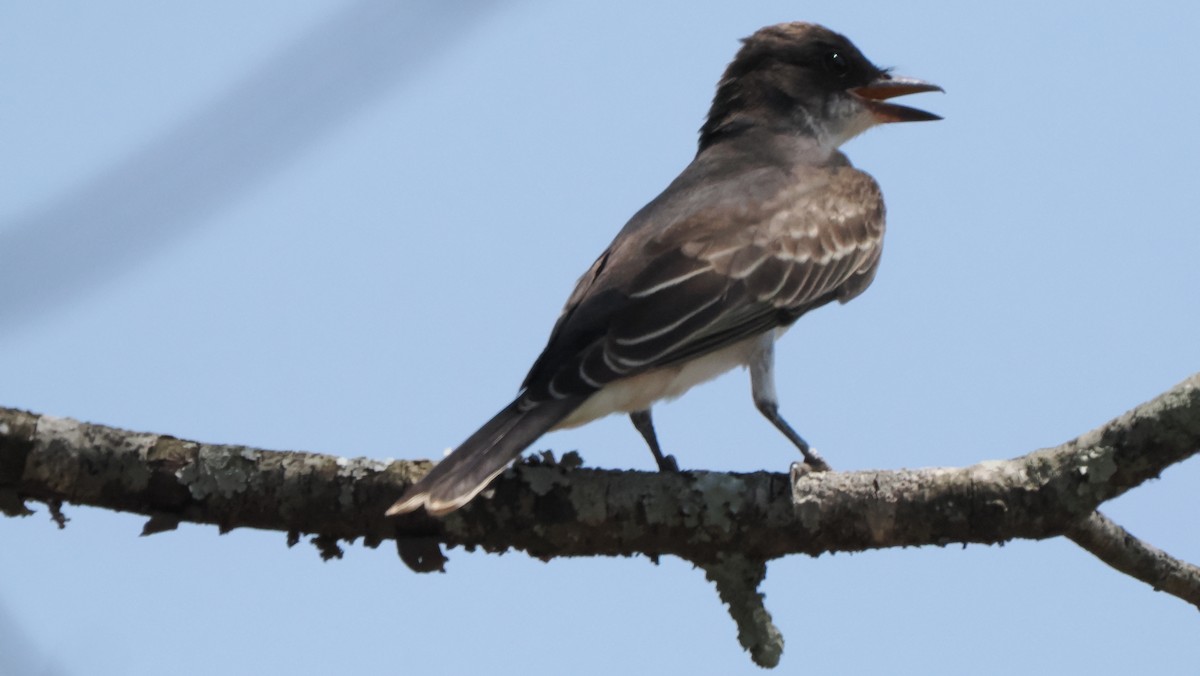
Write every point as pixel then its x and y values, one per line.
pixel 470 467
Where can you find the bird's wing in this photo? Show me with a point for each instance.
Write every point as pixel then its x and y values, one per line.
pixel 722 273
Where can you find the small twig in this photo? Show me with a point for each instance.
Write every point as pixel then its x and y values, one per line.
pixel 56 513
pixel 738 578
pixel 1118 548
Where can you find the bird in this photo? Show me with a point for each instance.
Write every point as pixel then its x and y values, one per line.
pixel 769 221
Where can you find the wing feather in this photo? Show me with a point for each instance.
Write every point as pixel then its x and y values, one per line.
pixel 713 274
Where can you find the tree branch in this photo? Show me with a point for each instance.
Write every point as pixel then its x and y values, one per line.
pixel 1118 548
pixel 737 579
pixel 551 509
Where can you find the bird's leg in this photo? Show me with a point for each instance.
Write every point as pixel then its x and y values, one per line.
pixel 811 457
pixel 643 423
pixel 762 384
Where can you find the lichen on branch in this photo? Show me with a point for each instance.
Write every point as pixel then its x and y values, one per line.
pixel 551 509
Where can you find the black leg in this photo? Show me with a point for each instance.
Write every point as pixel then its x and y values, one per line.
pixel 762 383
pixel 770 409
pixel 643 423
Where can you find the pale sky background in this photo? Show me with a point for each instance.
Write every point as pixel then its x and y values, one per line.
pixel 347 227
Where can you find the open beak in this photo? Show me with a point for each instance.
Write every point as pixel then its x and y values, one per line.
pixel 884 87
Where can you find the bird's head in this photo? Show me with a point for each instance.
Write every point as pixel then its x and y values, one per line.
pixel 806 79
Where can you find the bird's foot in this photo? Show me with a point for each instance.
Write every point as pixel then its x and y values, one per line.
pixel 667 463
pixel 813 460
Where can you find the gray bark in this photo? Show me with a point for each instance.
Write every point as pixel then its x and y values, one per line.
pixel 729 524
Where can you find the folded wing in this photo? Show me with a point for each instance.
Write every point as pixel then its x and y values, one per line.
pixel 717 275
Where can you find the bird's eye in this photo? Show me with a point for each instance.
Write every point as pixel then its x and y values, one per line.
pixel 836 64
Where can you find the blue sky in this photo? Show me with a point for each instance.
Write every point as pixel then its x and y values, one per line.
pixel 348 227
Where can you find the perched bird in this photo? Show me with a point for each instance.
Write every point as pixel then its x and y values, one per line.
pixel 768 222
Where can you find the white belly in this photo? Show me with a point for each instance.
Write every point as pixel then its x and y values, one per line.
pixel 637 393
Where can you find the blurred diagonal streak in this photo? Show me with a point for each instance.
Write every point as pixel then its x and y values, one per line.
pixel 18 657
pixel 55 254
